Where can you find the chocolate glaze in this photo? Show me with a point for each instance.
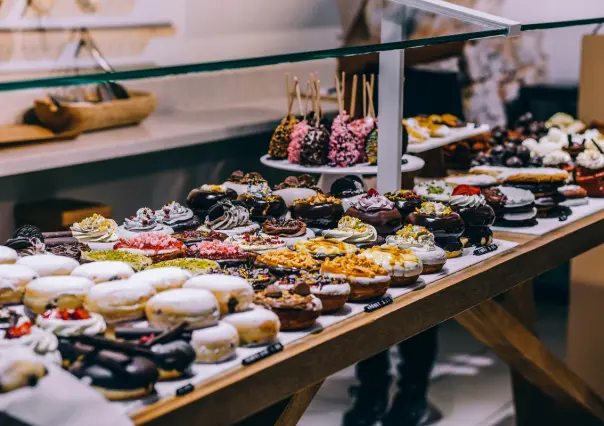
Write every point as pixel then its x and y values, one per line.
pixel 201 201
pixel 478 236
pixel 73 250
pixel 446 229
pixel 29 231
pixel 264 208
pixel 406 207
pixel 545 189
pixel 187 225
pixel 58 234
pixel 175 355
pixel 321 216
pixel 386 222
pixel 347 186
pixel 515 223
pixel 57 241
pixel 476 216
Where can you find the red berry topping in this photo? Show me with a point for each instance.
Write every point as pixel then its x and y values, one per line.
pixel 18 330
pixel 372 193
pixel 466 190
pixel 67 314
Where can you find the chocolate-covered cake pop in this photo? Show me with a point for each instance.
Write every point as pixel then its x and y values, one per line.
pixel 314 147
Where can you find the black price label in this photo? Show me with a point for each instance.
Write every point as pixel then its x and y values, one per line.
pixel 188 388
pixel 563 218
pixel 484 250
pixel 265 353
pixel 379 304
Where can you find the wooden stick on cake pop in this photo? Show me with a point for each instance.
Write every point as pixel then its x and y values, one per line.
pixel 319 111
pixel 288 90
pixel 371 91
pixel 364 96
pixel 343 88
pixel 297 89
pixel 353 99
pixel 370 94
pixel 309 91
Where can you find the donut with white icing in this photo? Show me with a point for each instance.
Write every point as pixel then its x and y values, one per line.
pixel 13 279
pixel 119 300
pixel 49 264
pixel 215 344
pixel 107 270
pixel 256 326
pixel 163 279
pixel 62 292
pixel 199 308
pixel 234 294
pixel 8 255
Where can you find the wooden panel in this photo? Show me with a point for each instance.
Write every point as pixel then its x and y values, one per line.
pixel 503 333
pixel 313 358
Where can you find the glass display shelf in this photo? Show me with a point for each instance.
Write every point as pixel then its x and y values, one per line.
pixel 219 55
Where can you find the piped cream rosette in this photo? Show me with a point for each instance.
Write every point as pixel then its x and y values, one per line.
pixel 421 242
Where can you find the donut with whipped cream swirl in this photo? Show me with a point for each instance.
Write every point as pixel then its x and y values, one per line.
pixel 177 217
pixel 230 218
pixel 378 211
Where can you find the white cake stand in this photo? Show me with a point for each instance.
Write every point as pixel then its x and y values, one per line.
pixel 330 174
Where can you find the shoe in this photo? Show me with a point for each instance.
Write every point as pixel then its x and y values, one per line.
pixel 369 406
pixel 407 410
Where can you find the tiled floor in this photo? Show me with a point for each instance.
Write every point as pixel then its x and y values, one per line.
pixel 470 385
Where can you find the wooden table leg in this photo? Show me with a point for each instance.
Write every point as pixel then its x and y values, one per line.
pixel 287 412
pixel 520 349
pixel 530 403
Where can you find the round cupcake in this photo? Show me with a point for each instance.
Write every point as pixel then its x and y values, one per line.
pixel 146 222
pixel 294 188
pixel 406 201
pixel 421 242
pixel 435 190
pixel 320 248
pixel 157 246
pixel 96 231
pixel 254 243
pixel 348 189
pixel 446 225
pixel 403 266
pixel 177 217
pixel 288 230
pixel 296 308
pixel 332 292
pixel 558 159
pixel 378 211
pixel 320 211
pixel 283 262
pixel 367 279
pixel 589 172
pixel 201 199
pixel 230 218
pixel 477 216
pixel 353 231
pixel 225 254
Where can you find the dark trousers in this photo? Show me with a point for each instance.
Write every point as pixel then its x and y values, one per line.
pixel 418 355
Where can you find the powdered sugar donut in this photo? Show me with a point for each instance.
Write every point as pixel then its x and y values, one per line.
pixel 199 308
pixel 100 272
pixel 119 300
pixel 13 279
pixel 62 292
pixel 256 326
pixel 49 264
pixel 163 279
pixel 215 344
pixel 8 255
pixel 234 294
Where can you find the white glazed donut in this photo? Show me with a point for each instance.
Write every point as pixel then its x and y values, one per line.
pixel 62 292
pixel 8 255
pixel 49 264
pixel 162 279
pixel 121 300
pixel 234 294
pixel 13 279
pixel 199 308
pixel 107 270
pixel 215 344
pixel 256 326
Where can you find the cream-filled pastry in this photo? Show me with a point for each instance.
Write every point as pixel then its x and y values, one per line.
pixel 234 294
pixel 71 322
pixel 13 279
pixel 17 330
pixel 61 292
pixel 119 300
pixel 162 279
pixel 100 272
pixel 198 308
pixel 215 344
pixel 403 265
pixel 49 264
pixel 257 326
pixel 8 255
pixel 421 242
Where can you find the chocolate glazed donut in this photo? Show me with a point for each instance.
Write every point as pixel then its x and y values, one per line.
pixel 386 222
pixel 446 229
pixel 200 201
pixel 406 207
pixel 322 216
pixel 264 208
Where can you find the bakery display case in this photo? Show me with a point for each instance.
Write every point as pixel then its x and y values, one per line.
pixel 261 285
